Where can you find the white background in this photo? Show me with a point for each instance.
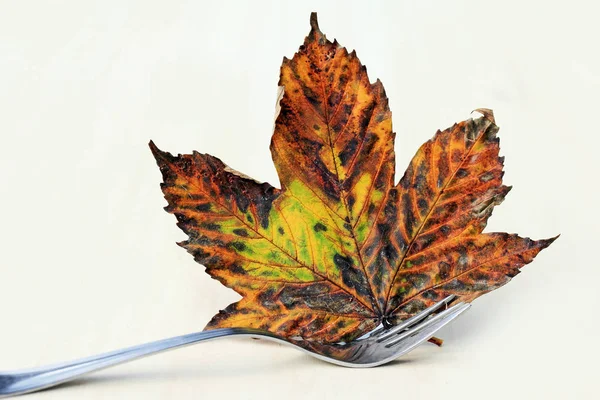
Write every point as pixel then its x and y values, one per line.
pixel 88 257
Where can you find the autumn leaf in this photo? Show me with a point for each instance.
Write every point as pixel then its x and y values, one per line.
pixel 341 248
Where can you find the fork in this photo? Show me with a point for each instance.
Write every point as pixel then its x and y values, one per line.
pixel 380 346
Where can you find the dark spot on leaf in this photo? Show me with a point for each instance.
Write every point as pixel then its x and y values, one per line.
pixel 406 178
pixel 310 95
pixel 264 201
pixel 461 173
pixel 343 81
pixel 418 281
pixel 371 208
pixel 348 152
pixel 409 216
pixel 412 307
pixel 211 226
pixel 236 269
pixel 423 205
pixel 420 182
pixel 280 230
pixel 370 248
pixel 444 270
pixel 366 117
pixel 340 125
pixel 389 252
pixel 430 295
pixel 377 277
pixel 241 232
pixel 241 199
pixel 351 201
pixel 239 246
pixel 456 286
pixel 319 227
pixel 203 207
pixel 185 220
pixel 348 109
pixel 351 276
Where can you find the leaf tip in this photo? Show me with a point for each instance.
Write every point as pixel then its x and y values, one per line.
pixel 315 34
pixel 487 114
pixel 153 147
pixel 314 22
pixel 544 243
pixel 156 152
pixel 548 242
pixel 163 158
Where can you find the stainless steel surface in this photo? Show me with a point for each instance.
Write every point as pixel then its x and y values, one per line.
pixel 378 347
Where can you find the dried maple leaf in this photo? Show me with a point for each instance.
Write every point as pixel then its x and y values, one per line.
pixel 340 248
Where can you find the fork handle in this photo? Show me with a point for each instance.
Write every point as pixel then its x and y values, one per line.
pixel 31 380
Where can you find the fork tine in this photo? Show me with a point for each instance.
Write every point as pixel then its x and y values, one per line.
pixel 407 345
pixel 426 329
pixel 382 336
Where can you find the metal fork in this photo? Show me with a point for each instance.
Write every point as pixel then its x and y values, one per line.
pixel 380 346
